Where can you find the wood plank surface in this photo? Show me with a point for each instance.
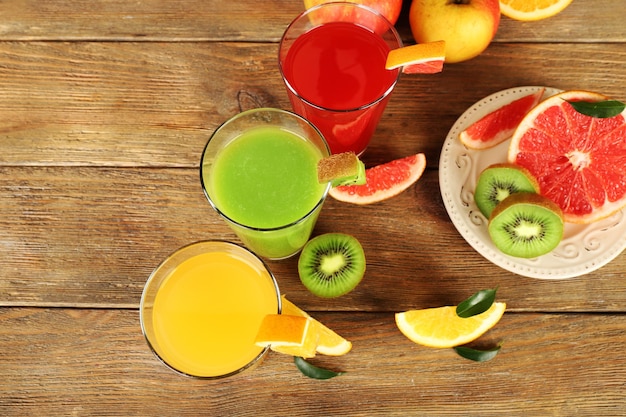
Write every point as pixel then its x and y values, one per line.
pixel 91 236
pixel 105 108
pixel 183 20
pixel 155 104
pixel 95 362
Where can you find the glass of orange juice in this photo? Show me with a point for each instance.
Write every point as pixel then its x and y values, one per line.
pixel 202 306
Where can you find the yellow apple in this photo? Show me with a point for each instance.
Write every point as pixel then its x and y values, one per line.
pixel 388 8
pixel 467 26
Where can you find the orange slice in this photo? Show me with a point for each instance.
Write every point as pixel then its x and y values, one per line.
pixel 292 335
pixel 421 58
pixel 527 10
pixel 442 328
pixel 329 342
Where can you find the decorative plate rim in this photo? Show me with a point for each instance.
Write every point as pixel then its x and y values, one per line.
pixel 584 248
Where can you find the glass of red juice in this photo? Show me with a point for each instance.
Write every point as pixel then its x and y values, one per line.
pixel 332 60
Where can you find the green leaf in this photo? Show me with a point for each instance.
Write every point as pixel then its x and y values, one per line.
pixel 313 371
pixel 476 304
pixel 477 355
pixel 599 109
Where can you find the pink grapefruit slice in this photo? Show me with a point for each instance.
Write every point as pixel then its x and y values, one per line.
pixel 383 181
pixel 578 160
pixel 498 126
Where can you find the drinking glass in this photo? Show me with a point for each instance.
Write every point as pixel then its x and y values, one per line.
pixel 201 309
pixel 332 61
pixel 259 172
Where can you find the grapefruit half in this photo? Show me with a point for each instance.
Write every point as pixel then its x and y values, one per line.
pixel 383 181
pixel 578 160
pixel 498 126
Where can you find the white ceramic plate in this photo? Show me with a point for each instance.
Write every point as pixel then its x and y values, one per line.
pixel 584 248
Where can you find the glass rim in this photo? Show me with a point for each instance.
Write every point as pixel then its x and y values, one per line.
pixel 379 15
pixel 304 217
pixel 154 274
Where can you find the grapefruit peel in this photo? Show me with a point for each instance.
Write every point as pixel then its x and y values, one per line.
pixel 383 181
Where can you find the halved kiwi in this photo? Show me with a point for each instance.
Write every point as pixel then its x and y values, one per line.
pixel 498 181
pixel 331 264
pixel 526 225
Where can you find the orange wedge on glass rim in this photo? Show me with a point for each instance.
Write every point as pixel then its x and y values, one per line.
pixel 421 58
pixel 294 332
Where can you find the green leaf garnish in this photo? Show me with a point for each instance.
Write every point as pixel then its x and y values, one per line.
pixel 599 109
pixel 477 355
pixel 476 304
pixel 313 371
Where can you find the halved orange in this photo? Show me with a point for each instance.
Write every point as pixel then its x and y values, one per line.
pixel 527 10
pixel 441 327
pixel 328 342
pixel 421 58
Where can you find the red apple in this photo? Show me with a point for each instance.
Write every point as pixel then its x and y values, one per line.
pixel 467 26
pixel 388 8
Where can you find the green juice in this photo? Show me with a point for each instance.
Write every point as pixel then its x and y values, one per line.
pixel 266 179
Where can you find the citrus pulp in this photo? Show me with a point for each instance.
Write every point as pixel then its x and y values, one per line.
pixel 383 181
pixel 441 327
pixel 498 125
pixel 527 10
pixel 328 342
pixel 578 160
pixel 421 58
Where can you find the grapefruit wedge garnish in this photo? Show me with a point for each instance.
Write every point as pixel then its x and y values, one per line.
pixel 498 126
pixel 578 160
pixel 383 181
pixel 422 58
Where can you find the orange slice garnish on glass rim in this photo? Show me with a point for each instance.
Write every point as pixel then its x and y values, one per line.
pixel 294 332
pixel 421 58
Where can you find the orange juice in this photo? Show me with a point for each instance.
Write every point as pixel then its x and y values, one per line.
pixel 207 309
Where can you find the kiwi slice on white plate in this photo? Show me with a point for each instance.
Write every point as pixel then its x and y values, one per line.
pixel 498 181
pixel 526 225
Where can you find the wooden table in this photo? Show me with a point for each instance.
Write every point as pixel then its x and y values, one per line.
pixel 104 110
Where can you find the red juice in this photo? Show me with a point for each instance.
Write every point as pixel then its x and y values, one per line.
pixel 336 79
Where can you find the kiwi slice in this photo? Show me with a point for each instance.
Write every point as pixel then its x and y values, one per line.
pixel 499 181
pixel 331 264
pixel 526 225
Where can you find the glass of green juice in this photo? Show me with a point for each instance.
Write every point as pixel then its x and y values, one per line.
pixel 202 307
pixel 259 172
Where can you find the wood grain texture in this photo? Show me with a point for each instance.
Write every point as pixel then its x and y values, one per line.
pixel 91 236
pixel 95 362
pixel 155 104
pixel 183 20
pixel 105 108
